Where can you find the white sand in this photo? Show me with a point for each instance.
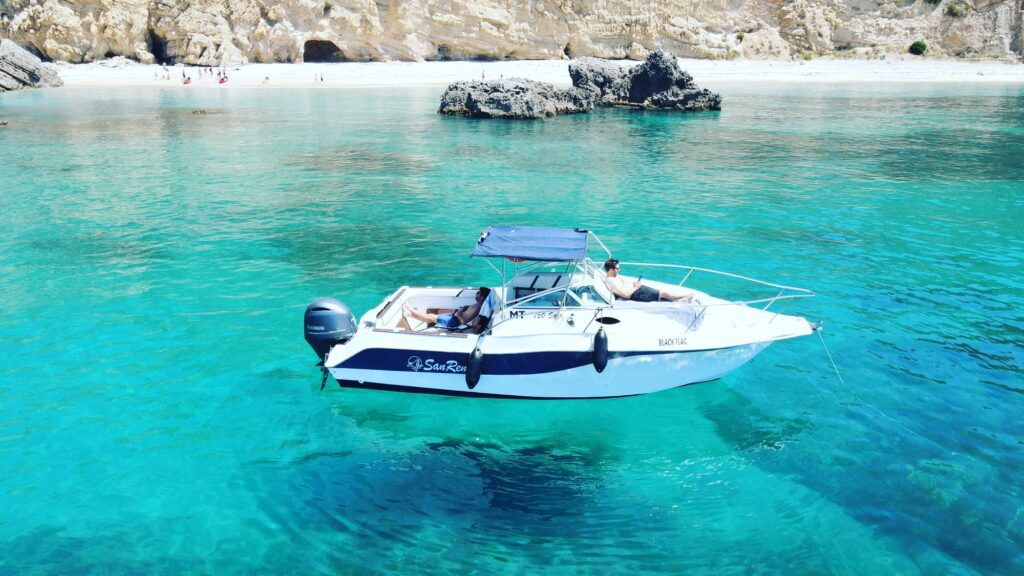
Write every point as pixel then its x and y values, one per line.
pixel 119 72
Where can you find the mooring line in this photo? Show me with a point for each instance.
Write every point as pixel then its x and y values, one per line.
pixel 857 396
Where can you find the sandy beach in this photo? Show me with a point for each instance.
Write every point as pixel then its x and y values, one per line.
pixel 120 72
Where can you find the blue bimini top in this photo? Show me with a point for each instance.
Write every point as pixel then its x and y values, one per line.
pixel 533 243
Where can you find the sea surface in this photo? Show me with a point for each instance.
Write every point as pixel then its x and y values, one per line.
pixel 160 412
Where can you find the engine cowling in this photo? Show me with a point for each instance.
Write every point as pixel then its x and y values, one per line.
pixel 328 322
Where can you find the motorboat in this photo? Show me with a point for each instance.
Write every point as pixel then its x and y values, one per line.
pixel 553 328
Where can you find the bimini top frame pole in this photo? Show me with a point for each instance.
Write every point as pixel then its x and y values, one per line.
pixel 607 252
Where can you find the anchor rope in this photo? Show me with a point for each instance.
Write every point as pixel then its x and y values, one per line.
pixel 853 393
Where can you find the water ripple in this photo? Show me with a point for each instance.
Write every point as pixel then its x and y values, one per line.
pixel 159 411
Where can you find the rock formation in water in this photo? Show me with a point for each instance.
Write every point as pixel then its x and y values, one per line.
pixel 657 84
pixel 514 98
pixel 19 69
pixel 209 32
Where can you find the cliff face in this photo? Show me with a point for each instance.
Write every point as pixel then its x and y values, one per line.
pixel 210 32
pixel 19 69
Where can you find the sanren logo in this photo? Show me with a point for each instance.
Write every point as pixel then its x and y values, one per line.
pixel 416 364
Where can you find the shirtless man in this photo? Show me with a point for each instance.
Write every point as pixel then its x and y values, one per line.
pixel 636 291
pixel 462 316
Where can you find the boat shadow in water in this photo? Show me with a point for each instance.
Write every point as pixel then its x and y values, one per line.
pixel 404 494
pixel 539 482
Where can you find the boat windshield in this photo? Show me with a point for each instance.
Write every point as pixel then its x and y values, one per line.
pixel 550 299
pixel 578 284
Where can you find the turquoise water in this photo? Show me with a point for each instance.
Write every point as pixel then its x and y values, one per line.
pixel 160 411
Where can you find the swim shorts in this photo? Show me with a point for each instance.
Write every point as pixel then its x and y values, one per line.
pixel 645 294
pixel 448 321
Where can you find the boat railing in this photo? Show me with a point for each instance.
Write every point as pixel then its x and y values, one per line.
pixel 593 272
pixel 782 292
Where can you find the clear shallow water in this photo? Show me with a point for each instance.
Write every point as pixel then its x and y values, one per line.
pixel 159 409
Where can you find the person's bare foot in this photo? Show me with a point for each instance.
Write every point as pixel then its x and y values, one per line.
pixel 406 311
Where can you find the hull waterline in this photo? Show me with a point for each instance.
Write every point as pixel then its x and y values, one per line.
pixel 626 374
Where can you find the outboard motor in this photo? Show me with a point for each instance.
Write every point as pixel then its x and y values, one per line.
pixel 328 322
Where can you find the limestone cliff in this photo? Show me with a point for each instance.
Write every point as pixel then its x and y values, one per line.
pixel 19 69
pixel 207 32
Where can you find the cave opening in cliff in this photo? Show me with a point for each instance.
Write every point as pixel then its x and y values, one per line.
pixel 157 47
pixel 35 51
pixel 321 51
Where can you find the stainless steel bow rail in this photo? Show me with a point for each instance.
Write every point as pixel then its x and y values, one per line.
pixel 592 271
pixel 784 293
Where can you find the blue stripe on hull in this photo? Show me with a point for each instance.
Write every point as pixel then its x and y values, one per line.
pixel 432 362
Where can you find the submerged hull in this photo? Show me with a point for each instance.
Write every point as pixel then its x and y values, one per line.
pixel 540 375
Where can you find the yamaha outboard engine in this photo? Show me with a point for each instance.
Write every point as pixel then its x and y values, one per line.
pixel 328 322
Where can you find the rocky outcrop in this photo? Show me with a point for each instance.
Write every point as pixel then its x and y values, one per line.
pixel 656 84
pixel 209 32
pixel 19 69
pixel 514 98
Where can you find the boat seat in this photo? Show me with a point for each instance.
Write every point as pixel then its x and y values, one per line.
pixel 425 327
pixel 527 284
pixel 523 292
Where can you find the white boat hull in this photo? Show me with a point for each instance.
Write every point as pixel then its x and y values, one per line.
pixel 627 374
pixel 549 334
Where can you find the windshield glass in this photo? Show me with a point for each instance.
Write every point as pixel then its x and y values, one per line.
pixel 552 299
